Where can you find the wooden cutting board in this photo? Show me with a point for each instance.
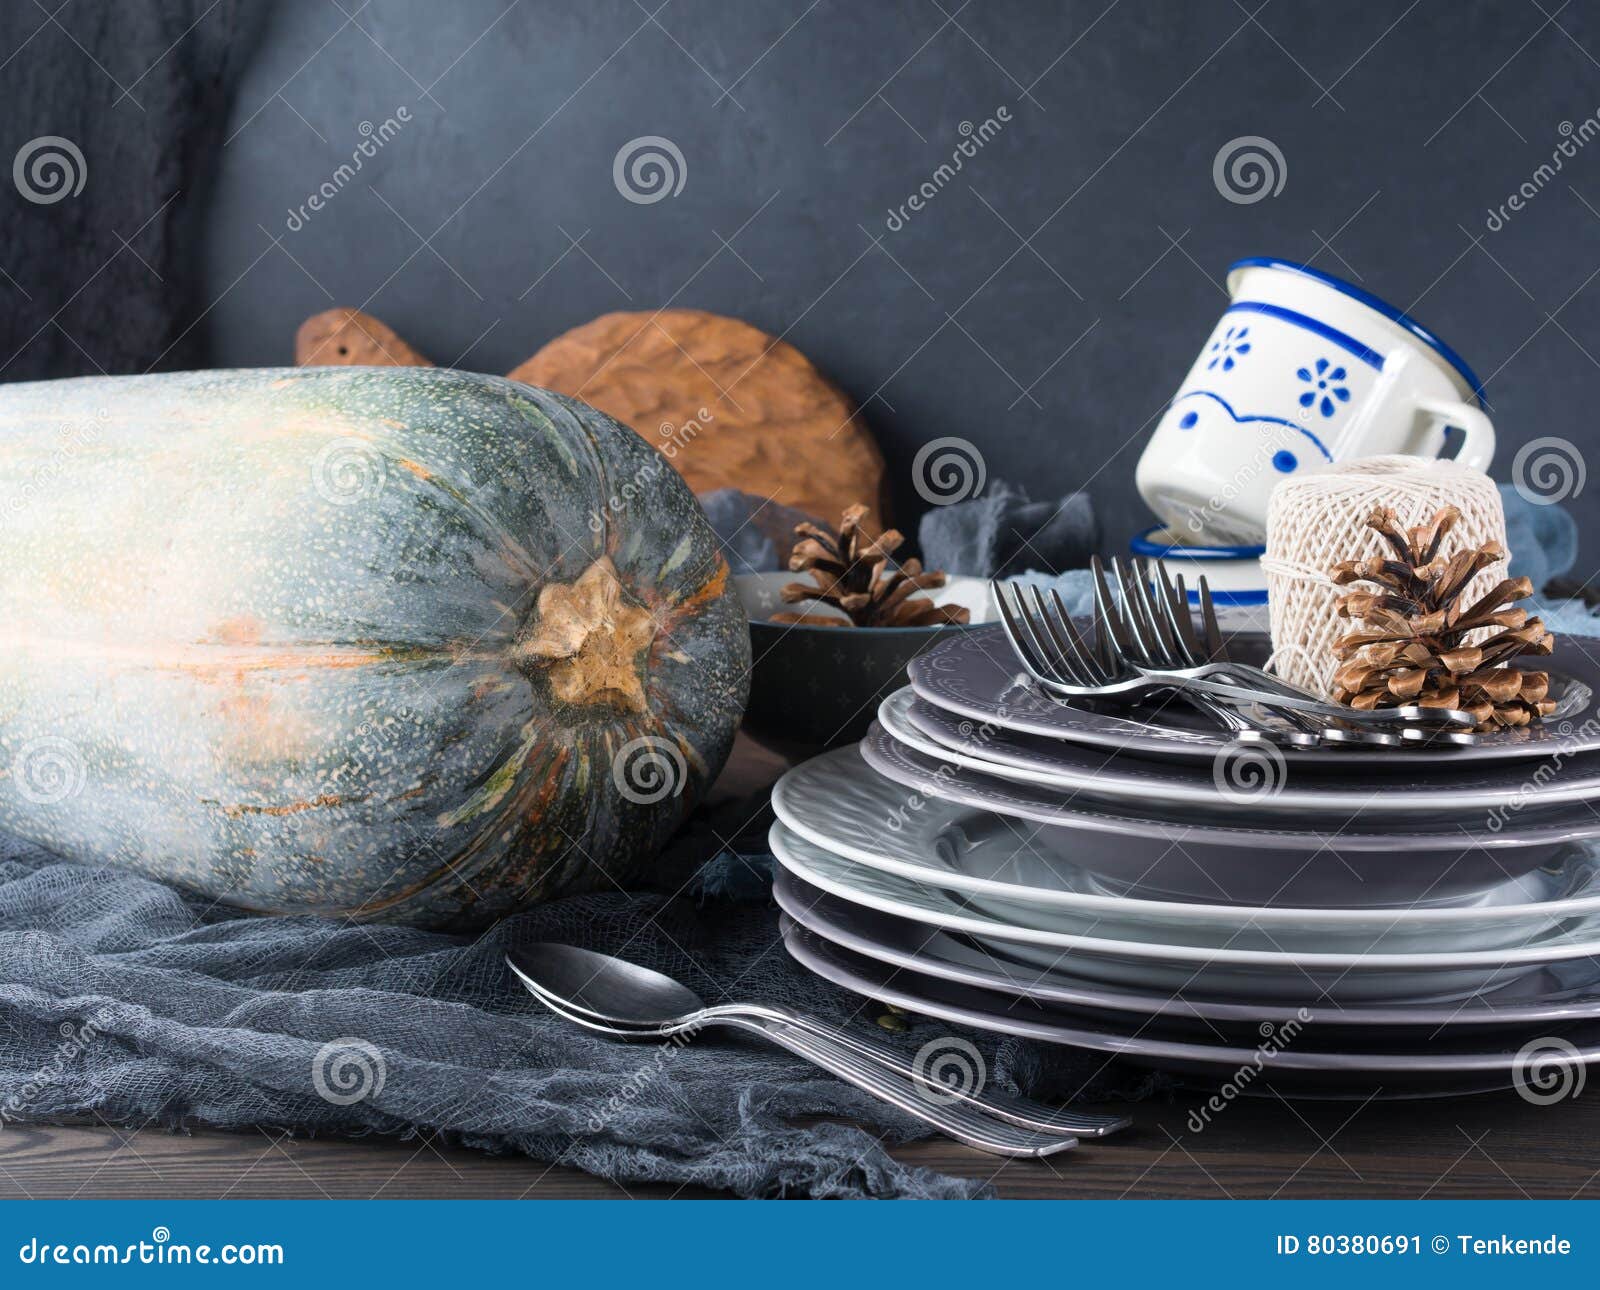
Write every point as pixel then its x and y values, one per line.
pixel 729 405
pixel 350 338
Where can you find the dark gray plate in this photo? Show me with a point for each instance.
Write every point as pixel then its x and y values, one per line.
pixel 1554 995
pixel 1256 860
pixel 1442 1066
pixel 977 676
pixel 1269 786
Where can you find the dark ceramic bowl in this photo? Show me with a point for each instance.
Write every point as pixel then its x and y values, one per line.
pixel 822 685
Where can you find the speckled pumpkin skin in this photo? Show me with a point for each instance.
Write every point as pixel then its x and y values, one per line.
pixel 267 636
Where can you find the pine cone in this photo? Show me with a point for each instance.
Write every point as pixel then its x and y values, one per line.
pixel 1412 643
pixel 853 572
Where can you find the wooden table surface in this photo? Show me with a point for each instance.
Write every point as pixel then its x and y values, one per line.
pixel 1497 1145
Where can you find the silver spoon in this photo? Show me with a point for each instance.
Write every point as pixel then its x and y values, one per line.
pixel 615 992
pixel 955 1120
pixel 615 997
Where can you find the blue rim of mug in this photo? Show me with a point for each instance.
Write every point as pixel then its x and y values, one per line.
pixel 1141 544
pixel 1231 599
pixel 1375 303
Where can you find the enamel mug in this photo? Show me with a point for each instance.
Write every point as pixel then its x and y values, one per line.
pixel 1302 371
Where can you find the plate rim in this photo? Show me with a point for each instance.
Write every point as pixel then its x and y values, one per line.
pixel 1283 799
pixel 1136 1045
pixel 1203 833
pixel 985 925
pixel 1186 911
pixel 1089 993
pixel 1206 745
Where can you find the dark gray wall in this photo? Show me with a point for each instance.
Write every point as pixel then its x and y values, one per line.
pixel 801 127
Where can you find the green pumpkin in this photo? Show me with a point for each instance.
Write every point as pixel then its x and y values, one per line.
pixel 400 644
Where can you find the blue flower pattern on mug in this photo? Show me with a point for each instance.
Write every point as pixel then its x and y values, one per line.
pixel 1232 346
pixel 1325 382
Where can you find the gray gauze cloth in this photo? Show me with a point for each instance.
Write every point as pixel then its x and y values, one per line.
pixel 131 1002
pixel 1002 534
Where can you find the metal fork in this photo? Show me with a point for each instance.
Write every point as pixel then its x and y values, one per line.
pixel 1166 641
pixel 1117 664
pixel 1208 657
pixel 1064 663
pixel 1186 657
pixel 1153 636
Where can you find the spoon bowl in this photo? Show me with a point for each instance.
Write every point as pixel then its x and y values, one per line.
pixel 606 988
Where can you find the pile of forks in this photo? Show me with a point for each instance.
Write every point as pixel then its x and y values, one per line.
pixel 1145 645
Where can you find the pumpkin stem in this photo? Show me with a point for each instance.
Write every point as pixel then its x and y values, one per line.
pixel 586 639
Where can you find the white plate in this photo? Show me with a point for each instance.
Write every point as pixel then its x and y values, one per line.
pixel 1247 857
pixel 1253 973
pixel 1557 995
pixel 840 805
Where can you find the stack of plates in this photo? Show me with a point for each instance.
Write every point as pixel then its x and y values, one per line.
pixel 1338 921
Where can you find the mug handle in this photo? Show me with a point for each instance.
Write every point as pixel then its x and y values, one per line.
pixel 1395 385
pixel 1477 431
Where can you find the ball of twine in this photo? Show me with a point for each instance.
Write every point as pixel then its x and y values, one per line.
pixel 1316 521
